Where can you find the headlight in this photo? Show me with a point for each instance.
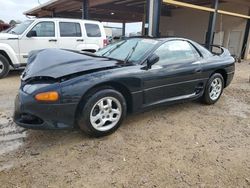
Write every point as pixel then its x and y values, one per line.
pixel 30 88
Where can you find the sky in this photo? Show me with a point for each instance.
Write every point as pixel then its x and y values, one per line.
pixel 13 10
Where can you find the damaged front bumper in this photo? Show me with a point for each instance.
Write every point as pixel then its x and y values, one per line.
pixel 34 115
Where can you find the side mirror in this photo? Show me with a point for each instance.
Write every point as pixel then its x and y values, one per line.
pixel 152 60
pixel 31 34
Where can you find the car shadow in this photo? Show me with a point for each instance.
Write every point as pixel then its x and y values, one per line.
pixel 15 73
pixel 47 136
pixel 42 141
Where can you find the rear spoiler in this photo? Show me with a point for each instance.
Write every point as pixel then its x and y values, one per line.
pixel 223 52
pixel 219 50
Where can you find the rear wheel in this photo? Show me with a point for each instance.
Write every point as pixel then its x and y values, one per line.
pixel 214 89
pixel 103 113
pixel 4 66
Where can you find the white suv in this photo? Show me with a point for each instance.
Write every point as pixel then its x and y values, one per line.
pixel 72 34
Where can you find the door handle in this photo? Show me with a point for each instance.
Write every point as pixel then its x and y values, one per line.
pixel 52 40
pixel 79 40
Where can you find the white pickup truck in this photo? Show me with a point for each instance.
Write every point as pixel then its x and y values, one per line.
pixel 72 34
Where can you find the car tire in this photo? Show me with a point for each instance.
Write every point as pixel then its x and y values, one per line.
pixel 102 113
pixel 214 89
pixel 4 66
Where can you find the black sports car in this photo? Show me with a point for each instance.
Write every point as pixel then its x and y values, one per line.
pixel 64 89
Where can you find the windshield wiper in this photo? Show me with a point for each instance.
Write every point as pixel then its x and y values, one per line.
pixel 131 53
pixel 113 49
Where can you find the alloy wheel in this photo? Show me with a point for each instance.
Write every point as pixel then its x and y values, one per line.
pixel 106 113
pixel 215 89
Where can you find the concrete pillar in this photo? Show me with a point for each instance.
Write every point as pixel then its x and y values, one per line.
pixel 85 9
pixel 211 24
pixel 153 17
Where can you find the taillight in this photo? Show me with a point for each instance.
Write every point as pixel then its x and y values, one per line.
pixel 105 42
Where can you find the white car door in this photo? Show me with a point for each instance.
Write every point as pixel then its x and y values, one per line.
pixel 42 35
pixel 70 36
pixel 95 37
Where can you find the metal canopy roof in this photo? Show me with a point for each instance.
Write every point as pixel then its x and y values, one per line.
pixel 110 10
pixel 102 10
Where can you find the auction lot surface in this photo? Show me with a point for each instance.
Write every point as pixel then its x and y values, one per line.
pixel 184 145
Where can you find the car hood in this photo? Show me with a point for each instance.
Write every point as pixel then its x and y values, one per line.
pixel 56 63
pixel 5 36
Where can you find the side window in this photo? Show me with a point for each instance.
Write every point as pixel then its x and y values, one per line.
pixel 70 29
pixel 205 53
pixel 93 30
pixel 44 29
pixel 174 52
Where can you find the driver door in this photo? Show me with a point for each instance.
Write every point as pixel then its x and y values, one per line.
pixel 45 37
pixel 177 74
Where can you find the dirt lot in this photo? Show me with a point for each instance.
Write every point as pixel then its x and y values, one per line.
pixel 185 145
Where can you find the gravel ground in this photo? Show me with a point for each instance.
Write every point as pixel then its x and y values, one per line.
pixel 184 145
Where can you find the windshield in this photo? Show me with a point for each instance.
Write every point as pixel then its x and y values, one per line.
pixel 131 50
pixel 20 28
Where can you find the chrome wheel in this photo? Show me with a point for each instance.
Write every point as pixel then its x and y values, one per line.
pixel 106 113
pixel 215 89
pixel 1 67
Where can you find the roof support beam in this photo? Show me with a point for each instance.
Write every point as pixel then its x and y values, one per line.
pixel 154 17
pixel 188 5
pixel 85 9
pixel 99 2
pixel 197 7
pixel 244 50
pixel 146 24
pixel 211 24
pixel 124 29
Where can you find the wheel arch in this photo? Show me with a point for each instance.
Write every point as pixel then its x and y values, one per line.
pixel 8 52
pixel 112 85
pixel 223 74
pixel 3 53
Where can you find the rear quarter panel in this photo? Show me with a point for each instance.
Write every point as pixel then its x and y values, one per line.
pixel 215 63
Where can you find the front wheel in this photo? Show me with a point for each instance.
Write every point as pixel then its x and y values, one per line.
pixel 4 66
pixel 103 113
pixel 214 89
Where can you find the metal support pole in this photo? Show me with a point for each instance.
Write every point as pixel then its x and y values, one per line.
pixel 146 24
pixel 156 18
pixel 154 15
pixel 246 37
pixel 123 29
pixel 85 9
pixel 212 24
pixel 53 14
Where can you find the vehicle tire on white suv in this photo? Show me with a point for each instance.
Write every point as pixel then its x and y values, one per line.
pixel 4 66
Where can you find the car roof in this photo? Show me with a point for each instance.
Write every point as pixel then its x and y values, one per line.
pixel 65 19
pixel 160 38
